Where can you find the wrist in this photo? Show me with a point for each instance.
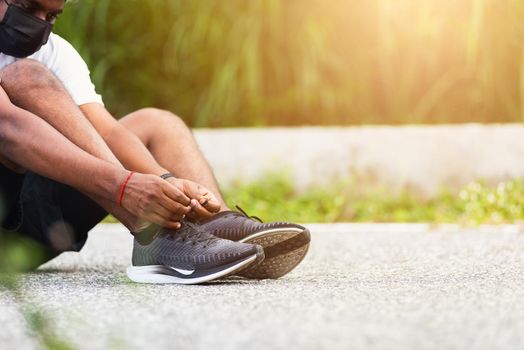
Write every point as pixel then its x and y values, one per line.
pixel 112 179
pixel 123 188
pixel 160 171
pixel 167 175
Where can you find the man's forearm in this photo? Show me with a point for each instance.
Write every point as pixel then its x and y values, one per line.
pixel 125 145
pixel 33 144
pixel 131 152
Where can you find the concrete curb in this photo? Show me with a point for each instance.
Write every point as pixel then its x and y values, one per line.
pixel 420 158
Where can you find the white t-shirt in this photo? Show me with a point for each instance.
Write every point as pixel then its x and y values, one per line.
pixel 64 61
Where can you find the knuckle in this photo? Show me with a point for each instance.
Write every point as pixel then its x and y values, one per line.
pixel 150 196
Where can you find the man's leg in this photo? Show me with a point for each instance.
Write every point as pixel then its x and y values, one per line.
pixel 172 144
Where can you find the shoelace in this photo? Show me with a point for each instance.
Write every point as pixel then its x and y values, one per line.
pixel 243 213
pixel 192 233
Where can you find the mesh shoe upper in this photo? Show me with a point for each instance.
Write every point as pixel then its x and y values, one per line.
pixel 188 248
pixel 235 225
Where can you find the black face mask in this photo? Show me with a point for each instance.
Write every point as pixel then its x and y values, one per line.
pixel 22 34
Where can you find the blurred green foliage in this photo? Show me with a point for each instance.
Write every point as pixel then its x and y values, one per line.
pixel 294 62
pixel 19 255
pixel 275 199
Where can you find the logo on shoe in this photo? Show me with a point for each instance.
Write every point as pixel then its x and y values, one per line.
pixel 183 271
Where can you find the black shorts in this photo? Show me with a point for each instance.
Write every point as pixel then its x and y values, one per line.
pixel 53 214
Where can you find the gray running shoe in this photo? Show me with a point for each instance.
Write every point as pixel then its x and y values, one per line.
pixel 285 244
pixel 188 255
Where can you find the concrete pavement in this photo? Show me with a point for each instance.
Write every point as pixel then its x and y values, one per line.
pixel 361 287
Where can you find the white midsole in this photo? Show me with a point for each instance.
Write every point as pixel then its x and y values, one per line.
pixel 274 230
pixel 161 274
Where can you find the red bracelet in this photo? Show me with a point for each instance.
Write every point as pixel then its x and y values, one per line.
pixel 123 188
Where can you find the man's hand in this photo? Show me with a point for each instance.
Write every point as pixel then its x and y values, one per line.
pixel 155 200
pixel 203 201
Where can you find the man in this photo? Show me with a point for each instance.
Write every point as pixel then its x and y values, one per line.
pixel 67 162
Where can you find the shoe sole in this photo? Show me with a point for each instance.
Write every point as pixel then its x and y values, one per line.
pixel 284 249
pixel 161 274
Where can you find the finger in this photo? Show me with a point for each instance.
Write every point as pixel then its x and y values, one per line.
pixel 164 213
pixel 175 194
pixel 204 196
pixel 211 205
pixel 169 215
pixel 172 206
pixel 201 211
pixel 192 215
pixel 159 220
pixel 173 225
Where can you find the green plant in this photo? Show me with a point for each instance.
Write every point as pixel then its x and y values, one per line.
pixel 274 198
pixel 502 203
pixel 294 62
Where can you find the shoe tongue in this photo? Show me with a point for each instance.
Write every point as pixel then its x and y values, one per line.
pixel 193 232
pixel 147 235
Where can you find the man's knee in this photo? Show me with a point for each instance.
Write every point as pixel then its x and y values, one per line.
pixel 160 118
pixel 25 74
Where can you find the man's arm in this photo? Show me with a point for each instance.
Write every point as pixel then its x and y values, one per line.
pixel 28 142
pixel 126 146
pixel 134 155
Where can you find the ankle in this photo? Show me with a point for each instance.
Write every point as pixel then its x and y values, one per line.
pixel 147 235
pixel 139 226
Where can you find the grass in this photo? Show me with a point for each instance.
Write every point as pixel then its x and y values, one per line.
pixel 275 199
